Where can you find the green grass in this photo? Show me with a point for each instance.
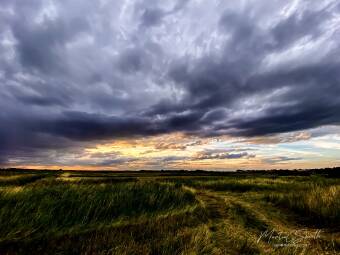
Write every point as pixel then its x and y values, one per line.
pixel 34 210
pixel 144 213
pixel 19 179
pixel 237 184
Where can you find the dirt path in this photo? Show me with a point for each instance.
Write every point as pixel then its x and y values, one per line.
pixel 250 228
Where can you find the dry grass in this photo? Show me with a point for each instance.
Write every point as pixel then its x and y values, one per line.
pixel 95 213
pixel 318 204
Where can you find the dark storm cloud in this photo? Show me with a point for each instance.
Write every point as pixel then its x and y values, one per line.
pixel 118 161
pixel 170 146
pixel 299 25
pixel 74 72
pixel 41 47
pixel 171 158
pixel 222 154
pixel 84 126
pixel 215 82
pixel 282 159
pixel 152 16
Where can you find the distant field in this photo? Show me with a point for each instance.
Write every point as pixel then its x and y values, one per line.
pixel 163 213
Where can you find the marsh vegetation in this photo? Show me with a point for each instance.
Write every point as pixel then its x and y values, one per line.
pixel 157 213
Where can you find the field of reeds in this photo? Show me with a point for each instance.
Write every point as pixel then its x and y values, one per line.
pixel 62 212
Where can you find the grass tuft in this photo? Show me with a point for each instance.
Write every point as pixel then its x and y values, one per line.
pixel 319 204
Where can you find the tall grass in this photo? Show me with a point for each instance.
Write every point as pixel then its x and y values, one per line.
pixel 235 184
pixel 45 209
pixel 98 180
pixel 19 179
pixel 179 232
pixel 319 204
pixel 122 213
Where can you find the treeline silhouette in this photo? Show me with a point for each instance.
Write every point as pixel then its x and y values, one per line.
pixel 327 172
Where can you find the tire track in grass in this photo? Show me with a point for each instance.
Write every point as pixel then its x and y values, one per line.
pixel 262 222
pixel 228 237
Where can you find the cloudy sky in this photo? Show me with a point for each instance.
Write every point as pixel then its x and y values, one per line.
pixel 171 84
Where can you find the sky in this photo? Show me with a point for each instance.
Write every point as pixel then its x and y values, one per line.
pixel 171 84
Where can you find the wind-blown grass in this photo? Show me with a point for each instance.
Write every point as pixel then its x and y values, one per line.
pixel 19 179
pixel 144 213
pixel 319 204
pixel 98 180
pixel 46 209
pixel 236 184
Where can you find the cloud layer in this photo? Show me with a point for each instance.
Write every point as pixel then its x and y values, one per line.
pixel 75 72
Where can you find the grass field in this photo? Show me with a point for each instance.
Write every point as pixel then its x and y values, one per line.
pixel 163 213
